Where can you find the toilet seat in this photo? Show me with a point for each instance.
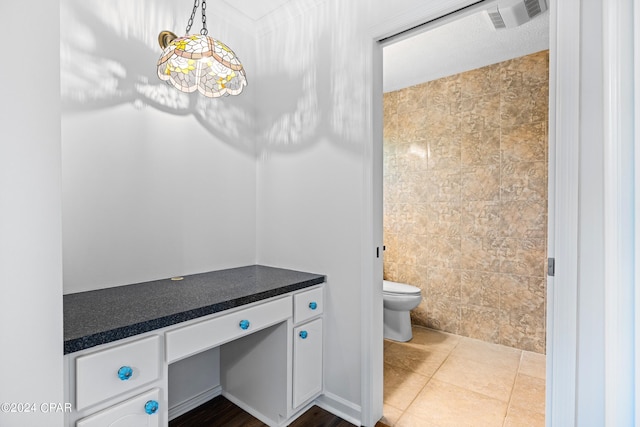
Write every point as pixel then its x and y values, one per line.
pixel 395 288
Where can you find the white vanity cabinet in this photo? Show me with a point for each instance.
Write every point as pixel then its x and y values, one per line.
pixel 270 364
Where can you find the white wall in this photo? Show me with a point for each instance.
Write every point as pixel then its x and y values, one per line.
pixel 190 377
pixel 156 183
pixel 310 167
pixel 315 162
pixel 30 224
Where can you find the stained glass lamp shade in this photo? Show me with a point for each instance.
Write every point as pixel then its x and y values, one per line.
pixel 203 63
pixel 199 62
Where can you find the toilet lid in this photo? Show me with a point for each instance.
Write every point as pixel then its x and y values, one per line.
pixel 399 288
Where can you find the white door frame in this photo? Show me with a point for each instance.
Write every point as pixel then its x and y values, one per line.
pixel 564 134
pixel 618 55
pixel 636 102
pixel 564 126
pixel 636 261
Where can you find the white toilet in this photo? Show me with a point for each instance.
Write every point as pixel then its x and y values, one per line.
pixel 398 299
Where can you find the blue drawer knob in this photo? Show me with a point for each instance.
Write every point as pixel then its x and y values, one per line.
pixel 244 324
pixel 151 407
pixel 313 305
pixel 303 334
pixel 124 373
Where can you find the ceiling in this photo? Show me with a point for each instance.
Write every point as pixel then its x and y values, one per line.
pixel 255 9
pixel 461 45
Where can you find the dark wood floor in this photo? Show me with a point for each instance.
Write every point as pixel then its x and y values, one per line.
pixel 219 412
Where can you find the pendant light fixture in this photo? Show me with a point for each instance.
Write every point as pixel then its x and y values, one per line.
pixel 200 62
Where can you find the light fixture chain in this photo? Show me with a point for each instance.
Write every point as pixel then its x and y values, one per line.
pixel 204 30
pixel 193 15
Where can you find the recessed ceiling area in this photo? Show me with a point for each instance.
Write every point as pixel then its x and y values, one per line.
pixel 461 45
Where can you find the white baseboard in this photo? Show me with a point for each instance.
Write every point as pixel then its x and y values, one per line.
pixel 194 402
pixel 301 410
pixel 283 422
pixel 340 407
pixel 268 421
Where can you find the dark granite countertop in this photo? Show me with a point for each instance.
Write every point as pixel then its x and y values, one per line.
pixel 97 317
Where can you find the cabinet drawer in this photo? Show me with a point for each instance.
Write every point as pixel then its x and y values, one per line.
pixel 137 411
pixel 195 338
pixel 307 361
pixel 109 372
pixel 307 304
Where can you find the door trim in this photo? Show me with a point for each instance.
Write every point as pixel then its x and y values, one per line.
pixel 618 55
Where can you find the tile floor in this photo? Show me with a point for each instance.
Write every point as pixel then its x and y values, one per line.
pixel 440 379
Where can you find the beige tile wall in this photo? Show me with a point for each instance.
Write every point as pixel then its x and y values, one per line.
pixel 465 200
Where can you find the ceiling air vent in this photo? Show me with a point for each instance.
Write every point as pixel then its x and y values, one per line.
pixel 533 7
pixel 513 13
pixel 496 19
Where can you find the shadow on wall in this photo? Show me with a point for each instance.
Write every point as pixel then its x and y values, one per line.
pixel 314 81
pixel 108 52
pixel 308 74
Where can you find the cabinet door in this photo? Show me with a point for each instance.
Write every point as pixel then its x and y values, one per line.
pixel 139 411
pixel 307 361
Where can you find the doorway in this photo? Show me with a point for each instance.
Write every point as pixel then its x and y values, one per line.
pixel 426 152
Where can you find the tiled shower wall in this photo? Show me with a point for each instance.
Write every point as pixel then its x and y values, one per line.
pixel 465 200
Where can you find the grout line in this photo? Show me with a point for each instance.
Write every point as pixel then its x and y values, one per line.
pixel 513 386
